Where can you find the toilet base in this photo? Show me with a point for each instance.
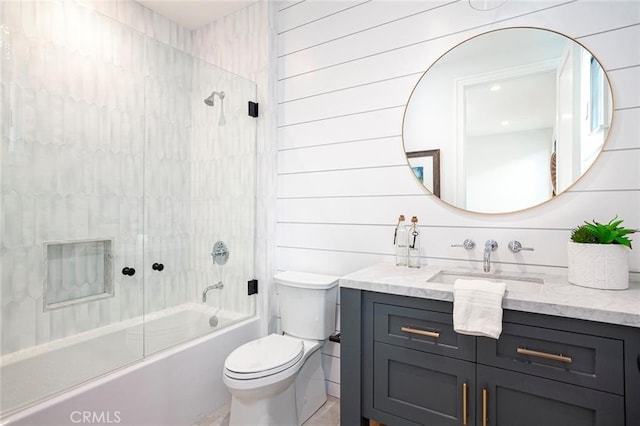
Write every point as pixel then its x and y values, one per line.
pixel 287 402
pixel 276 410
pixel 311 393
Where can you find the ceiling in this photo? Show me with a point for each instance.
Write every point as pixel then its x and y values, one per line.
pixel 510 105
pixel 194 14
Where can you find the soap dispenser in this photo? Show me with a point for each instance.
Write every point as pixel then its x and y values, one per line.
pixel 414 244
pixel 400 242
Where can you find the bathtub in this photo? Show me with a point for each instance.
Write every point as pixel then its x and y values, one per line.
pixel 173 386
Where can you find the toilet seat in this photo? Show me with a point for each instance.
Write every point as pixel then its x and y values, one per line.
pixel 264 357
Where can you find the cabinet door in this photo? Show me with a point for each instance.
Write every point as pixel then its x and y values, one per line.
pixel 423 388
pixel 507 398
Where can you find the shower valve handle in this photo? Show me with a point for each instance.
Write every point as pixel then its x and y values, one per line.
pixel 128 271
pixel 157 266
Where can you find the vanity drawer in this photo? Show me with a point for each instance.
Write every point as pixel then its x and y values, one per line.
pixel 581 359
pixel 423 330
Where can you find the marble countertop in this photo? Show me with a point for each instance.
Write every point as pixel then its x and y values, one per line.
pixel 553 297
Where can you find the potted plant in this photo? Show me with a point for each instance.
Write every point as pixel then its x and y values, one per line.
pixel 598 255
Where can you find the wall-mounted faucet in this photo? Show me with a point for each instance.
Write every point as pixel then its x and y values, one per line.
pixel 489 246
pixel 217 286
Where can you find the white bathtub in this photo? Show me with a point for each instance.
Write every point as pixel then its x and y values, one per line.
pixel 173 386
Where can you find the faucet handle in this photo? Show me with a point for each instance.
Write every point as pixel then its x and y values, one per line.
pixel 516 247
pixel 467 244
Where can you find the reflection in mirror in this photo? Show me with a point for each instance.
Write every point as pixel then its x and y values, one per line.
pixel 426 167
pixel 518 115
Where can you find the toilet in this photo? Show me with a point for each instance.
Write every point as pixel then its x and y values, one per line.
pixel 278 380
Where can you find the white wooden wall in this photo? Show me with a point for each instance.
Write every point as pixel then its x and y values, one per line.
pixel 345 72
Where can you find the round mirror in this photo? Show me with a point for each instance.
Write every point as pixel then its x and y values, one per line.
pixel 507 120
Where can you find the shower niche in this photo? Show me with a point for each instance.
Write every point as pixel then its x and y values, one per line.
pixel 77 272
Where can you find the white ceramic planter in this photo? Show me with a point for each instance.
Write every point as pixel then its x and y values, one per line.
pixel 604 266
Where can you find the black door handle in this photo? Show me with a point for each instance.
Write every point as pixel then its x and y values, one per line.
pixel 128 271
pixel 157 267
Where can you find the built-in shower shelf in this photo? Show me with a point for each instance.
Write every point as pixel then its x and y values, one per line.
pixel 77 272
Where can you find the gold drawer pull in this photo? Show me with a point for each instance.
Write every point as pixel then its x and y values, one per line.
pixel 544 355
pixel 464 404
pixel 485 411
pixel 420 332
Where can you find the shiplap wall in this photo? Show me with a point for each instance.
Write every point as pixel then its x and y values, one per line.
pixel 345 73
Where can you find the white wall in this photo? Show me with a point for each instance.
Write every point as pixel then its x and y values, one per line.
pixel 492 157
pixel 345 72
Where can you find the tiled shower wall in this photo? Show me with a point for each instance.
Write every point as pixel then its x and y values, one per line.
pixel 75 78
pixel 345 72
pixel 72 160
pixel 245 44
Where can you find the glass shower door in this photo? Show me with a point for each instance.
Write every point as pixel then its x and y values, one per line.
pixel 71 165
pixel 167 196
pixel 223 146
pixel 116 181
pixel 199 189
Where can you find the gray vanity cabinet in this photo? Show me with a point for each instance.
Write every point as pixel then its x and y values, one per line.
pixel 515 399
pixel 402 364
pixel 416 368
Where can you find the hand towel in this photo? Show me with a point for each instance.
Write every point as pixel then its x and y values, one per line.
pixel 477 307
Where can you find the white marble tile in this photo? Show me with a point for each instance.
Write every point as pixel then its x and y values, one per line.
pixel 555 297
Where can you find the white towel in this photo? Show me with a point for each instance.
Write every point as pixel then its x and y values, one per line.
pixel 477 307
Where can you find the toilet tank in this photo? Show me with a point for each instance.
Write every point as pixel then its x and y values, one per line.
pixel 307 304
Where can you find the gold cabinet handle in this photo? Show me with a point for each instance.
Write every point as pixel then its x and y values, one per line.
pixel 545 355
pixel 485 397
pixel 465 391
pixel 420 332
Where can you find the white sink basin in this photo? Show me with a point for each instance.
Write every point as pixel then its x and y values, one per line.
pixel 514 282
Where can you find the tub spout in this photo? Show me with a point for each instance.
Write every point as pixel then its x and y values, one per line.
pixel 489 246
pixel 217 286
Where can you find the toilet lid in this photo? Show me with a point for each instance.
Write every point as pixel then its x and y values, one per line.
pixel 306 280
pixel 263 357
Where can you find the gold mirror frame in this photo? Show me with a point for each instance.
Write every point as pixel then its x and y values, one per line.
pixel 608 108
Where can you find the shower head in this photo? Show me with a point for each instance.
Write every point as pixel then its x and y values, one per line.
pixel 209 100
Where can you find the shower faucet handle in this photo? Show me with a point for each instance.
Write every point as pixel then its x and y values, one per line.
pixel 220 253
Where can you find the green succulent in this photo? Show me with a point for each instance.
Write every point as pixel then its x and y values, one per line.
pixel 582 234
pixel 600 233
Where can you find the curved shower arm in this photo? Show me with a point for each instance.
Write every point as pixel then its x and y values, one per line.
pixel 209 100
